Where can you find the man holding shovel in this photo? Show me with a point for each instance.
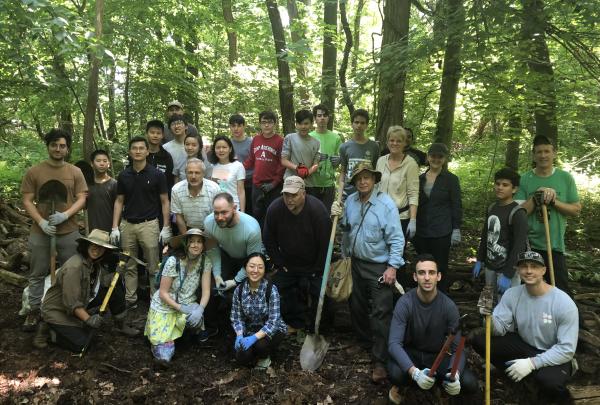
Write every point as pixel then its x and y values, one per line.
pixel 54 183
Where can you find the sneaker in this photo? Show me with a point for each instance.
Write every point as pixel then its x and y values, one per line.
pixel 31 321
pixel 40 340
pixel 125 329
pixel 300 336
pixel 394 395
pixel 263 364
pixel 161 364
pixel 379 374
pixel 206 334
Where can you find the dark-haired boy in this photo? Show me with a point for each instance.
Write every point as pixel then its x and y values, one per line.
pixel 357 150
pixel 300 154
pixel 176 147
pixel 176 108
pixel 102 194
pixel 504 235
pixel 241 148
pixel 61 223
pixel 157 155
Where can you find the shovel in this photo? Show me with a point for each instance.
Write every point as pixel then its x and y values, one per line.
pixel 315 346
pixel 548 243
pixel 52 192
pixel 88 175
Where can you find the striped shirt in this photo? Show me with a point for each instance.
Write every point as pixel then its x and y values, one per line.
pixel 193 209
pixel 253 314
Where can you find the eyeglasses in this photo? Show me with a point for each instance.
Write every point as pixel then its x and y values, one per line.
pixel 267 123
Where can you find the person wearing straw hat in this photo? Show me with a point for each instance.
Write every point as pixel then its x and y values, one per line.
pixel 174 307
pixel 372 237
pixel 69 306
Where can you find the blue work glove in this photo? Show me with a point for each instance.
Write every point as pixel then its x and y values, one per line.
pixel 476 269
pixel 57 218
pixel 248 341
pixel 411 229
pixel 238 342
pixel 48 229
pixel 188 308
pixel 504 284
pixel 195 318
pixel 455 238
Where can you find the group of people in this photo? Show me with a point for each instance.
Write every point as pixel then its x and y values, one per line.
pixel 247 208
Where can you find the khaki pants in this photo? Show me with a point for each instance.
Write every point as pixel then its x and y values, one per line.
pixel 146 234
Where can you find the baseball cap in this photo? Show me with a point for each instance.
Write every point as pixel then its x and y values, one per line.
pixel 438 149
pixel 292 185
pixel 530 256
pixel 175 103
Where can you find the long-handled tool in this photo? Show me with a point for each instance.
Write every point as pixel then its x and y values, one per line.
pixel 488 340
pixel 548 243
pixel 445 350
pixel 52 192
pixel 88 174
pixel 123 259
pixel 315 346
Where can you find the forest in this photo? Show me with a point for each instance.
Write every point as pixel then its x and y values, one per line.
pixel 483 77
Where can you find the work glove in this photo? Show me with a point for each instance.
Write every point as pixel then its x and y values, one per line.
pixel 238 342
pixel 519 369
pixel 504 284
pixel 411 229
pixel 337 209
pixel 476 269
pixel 248 341
pixel 302 171
pixel 48 229
pixel 422 379
pixel 267 187
pixel 95 321
pixel 455 238
pixel 226 285
pixel 451 387
pixel 58 218
pixel 486 301
pixel 219 281
pixel 538 198
pixel 195 318
pixel 323 157
pixel 188 308
pixel 115 236
pixel 335 161
pixel 165 235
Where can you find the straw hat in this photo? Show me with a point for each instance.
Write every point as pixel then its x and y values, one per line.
pixel 100 238
pixel 176 241
pixel 361 167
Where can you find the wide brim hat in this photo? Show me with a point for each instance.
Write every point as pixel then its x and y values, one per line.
pixel 530 256
pixel 100 238
pixel 361 167
pixel 176 241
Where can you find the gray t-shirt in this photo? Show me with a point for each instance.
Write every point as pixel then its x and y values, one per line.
pixel 178 153
pixel 300 150
pixel 242 150
pixel 353 153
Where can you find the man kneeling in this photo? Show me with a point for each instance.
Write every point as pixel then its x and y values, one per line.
pixel 422 318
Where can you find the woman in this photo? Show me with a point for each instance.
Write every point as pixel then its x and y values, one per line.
pixel 194 149
pixel 228 172
pixel 255 316
pixel 400 179
pixel 174 307
pixel 80 286
pixel 439 216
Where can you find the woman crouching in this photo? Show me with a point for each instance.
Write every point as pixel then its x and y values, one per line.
pixel 255 316
pixel 174 307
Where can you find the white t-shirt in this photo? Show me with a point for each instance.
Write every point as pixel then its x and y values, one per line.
pixel 227 176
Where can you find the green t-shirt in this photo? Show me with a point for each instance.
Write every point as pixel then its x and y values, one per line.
pixel 330 145
pixel 566 191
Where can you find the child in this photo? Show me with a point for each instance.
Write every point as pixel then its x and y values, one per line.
pixel 193 148
pixel 102 194
pixel 300 154
pixel 504 235
pixel 227 172
pixel 158 156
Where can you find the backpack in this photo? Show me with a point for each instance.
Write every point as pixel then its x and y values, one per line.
pixel 158 275
pixel 267 293
pixel 510 216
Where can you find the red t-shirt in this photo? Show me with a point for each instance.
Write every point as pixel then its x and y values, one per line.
pixel 265 159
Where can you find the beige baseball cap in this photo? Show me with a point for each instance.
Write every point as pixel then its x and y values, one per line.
pixel 292 185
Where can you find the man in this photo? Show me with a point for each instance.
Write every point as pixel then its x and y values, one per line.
pixel 422 318
pixel 176 108
pixel 102 194
pixel 141 190
pixel 191 199
pixel 60 224
pixel 558 192
pixel 265 159
pixel 300 153
pixel 372 237
pixel 241 148
pixel 535 328
pixel 296 236
pixel 176 147
pixel 158 156
pixel 357 150
pixel 330 142
pixel 419 156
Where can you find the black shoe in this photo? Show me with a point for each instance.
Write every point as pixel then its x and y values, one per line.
pixel 31 321
pixel 206 334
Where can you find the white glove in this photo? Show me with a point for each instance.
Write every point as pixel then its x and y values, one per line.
pixel 227 285
pixel 519 369
pixel 455 238
pixel 452 387
pixel 422 378
pixel 115 236
pixel 411 229
pixel 337 209
pixel 165 235
pixel 58 218
pixel 48 229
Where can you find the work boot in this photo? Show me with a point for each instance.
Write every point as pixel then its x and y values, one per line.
pixel 394 395
pixel 379 374
pixel 31 321
pixel 40 340
pixel 126 330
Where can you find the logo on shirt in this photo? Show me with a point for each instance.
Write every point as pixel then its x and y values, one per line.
pixel 546 318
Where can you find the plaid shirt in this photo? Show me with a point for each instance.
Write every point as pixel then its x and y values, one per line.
pixel 252 313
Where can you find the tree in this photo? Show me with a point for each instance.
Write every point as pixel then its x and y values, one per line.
pixel 344 65
pixel 298 34
pixel 231 35
pixel 328 77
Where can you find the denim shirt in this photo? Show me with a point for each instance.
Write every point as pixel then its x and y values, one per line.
pixel 380 238
pixel 441 212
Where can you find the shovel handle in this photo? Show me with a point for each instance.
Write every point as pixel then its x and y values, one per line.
pixel 548 243
pixel 488 339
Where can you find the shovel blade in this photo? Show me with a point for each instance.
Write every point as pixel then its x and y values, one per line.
pixel 313 352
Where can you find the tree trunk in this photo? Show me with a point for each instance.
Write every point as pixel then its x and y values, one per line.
pixel 126 90
pixel 511 158
pixel 231 34
pixel 286 89
pixel 92 97
pixel 356 39
pixel 451 71
pixel 111 132
pixel 328 78
pixel 347 49
pixel 392 73
pixel 298 34
pixel 541 87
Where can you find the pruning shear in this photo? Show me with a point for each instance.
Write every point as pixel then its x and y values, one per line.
pixel 446 351
pixel 396 284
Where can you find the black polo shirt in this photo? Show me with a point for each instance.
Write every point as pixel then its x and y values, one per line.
pixel 142 192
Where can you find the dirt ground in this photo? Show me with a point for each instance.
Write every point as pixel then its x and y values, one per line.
pixel 119 370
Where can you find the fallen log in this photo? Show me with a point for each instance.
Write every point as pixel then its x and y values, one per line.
pixel 585 392
pixel 586 296
pixel 13 278
pixel 590 339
